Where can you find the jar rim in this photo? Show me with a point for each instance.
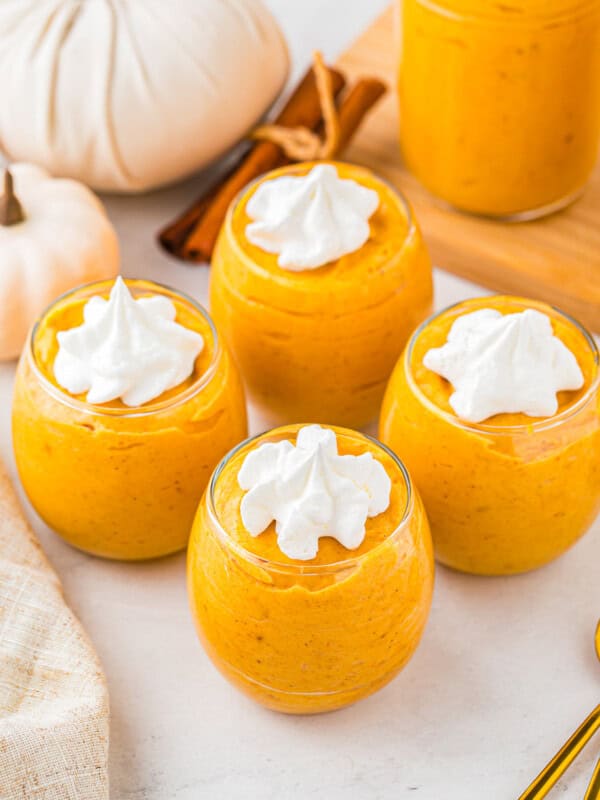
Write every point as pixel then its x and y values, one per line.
pixel 508 14
pixel 290 168
pixel 305 568
pixel 140 411
pixel 536 424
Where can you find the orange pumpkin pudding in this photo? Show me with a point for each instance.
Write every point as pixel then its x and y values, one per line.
pixel 310 568
pixel 495 408
pixel 124 402
pixel 318 277
pixel 500 101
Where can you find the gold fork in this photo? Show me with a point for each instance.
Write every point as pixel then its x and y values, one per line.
pixel 568 753
pixel 593 790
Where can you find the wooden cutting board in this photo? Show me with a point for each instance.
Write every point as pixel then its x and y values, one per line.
pixel 556 259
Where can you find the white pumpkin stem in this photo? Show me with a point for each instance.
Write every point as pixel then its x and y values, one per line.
pixel 11 211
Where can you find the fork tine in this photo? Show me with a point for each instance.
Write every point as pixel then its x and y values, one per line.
pixel 593 790
pixel 564 758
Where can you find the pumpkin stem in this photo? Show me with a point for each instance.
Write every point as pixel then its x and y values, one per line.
pixel 11 212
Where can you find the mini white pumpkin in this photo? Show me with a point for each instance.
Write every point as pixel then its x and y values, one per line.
pixel 128 95
pixel 54 235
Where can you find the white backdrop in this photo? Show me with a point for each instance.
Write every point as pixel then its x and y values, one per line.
pixel 505 671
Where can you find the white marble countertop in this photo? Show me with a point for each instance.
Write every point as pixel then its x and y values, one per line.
pixel 504 673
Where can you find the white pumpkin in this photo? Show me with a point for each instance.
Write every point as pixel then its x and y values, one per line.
pixel 128 95
pixel 53 237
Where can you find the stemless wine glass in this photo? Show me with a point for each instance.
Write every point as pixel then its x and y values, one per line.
pixel 509 494
pixel 123 482
pixel 318 345
pixel 306 636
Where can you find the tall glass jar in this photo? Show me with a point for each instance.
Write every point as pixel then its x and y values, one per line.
pixel 305 637
pixel 115 481
pixel 514 492
pixel 500 102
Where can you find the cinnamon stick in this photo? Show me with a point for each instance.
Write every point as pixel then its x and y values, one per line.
pixel 358 101
pixel 173 237
pixel 193 236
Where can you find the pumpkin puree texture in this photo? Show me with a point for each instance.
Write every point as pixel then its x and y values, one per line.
pixel 120 482
pixel 319 345
pixel 310 636
pixel 500 102
pixel 510 494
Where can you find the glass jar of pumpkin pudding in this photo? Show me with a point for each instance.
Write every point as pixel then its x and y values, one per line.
pixel 310 568
pixel 125 400
pixel 318 277
pixel 500 101
pixel 495 408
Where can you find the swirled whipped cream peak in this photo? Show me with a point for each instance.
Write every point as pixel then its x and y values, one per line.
pixel 504 364
pixel 126 348
pixel 310 491
pixel 310 220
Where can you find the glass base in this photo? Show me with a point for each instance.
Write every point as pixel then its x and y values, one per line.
pixel 299 703
pixel 520 216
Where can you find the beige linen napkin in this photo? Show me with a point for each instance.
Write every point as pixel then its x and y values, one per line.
pixel 53 696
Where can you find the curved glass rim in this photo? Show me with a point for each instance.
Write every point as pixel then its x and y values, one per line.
pixel 500 430
pixel 304 567
pixel 565 15
pixel 289 168
pixel 140 411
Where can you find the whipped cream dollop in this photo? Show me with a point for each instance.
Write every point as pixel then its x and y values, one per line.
pixel 311 219
pixel 126 348
pixel 310 491
pixel 504 364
